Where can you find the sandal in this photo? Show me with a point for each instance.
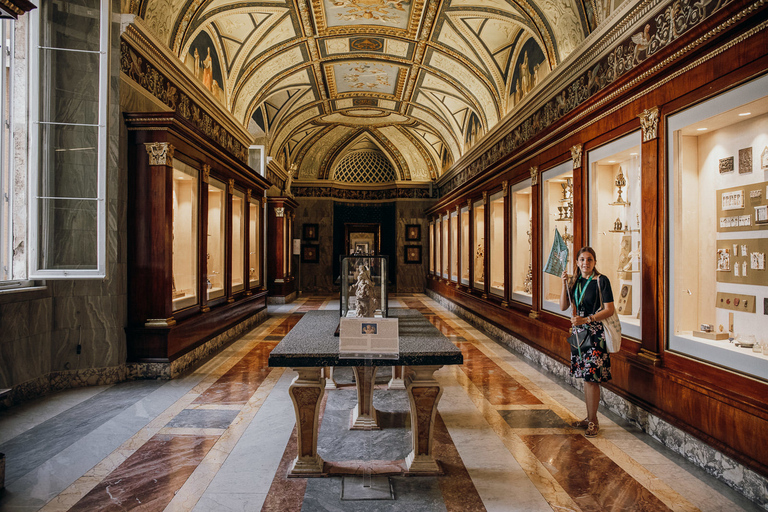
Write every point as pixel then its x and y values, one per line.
pixel 592 429
pixel 581 424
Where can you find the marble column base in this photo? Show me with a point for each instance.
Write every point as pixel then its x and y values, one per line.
pixel 424 393
pixel 306 392
pixel 364 416
pixel 397 381
pixel 330 382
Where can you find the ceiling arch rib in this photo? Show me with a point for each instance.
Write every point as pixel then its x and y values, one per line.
pixel 424 80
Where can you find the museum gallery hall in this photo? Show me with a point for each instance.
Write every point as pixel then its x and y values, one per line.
pixel 315 255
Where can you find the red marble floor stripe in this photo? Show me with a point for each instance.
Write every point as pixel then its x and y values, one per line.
pixel 497 386
pixel 312 303
pixel 242 380
pixel 148 479
pixel 592 479
pixel 442 326
pixel 286 325
pixel 459 493
pixel 415 304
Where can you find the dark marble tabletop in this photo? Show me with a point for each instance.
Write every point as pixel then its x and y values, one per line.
pixel 311 343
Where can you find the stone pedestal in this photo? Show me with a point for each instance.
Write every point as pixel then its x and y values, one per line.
pixel 364 416
pixel 307 391
pixel 397 381
pixel 423 393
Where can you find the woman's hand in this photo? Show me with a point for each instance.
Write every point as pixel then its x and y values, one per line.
pixel 564 277
pixel 579 320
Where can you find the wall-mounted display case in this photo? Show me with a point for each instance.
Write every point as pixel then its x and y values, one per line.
pixel 478 245
pixel 255 216
pixel 556 214
pixel 432 247
pixel 496 245
pixel 521 242
pixel 465 245
pixel 719 227
pixel 446 245
pixel 454 241
pixel 187 243
pixel 438 247
pixel 280 278
pixel 615 220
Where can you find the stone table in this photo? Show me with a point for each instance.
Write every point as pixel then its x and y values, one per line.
pixel 311 345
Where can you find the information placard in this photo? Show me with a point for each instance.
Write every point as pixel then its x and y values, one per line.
pixel 375 338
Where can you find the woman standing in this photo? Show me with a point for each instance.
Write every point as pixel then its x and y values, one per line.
pixel 593 364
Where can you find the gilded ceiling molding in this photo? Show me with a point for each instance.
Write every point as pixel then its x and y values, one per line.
pixel 431 167
pixel 410 32
pixel 649 122
pixel 182 23
pixel 618 62
pixel 314 54
pixel 141 58
pixel 303 9
pixel 304 148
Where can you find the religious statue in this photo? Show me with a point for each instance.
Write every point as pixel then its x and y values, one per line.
pixel 364 293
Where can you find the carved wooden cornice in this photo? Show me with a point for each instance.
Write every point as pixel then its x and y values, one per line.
pixel 15 8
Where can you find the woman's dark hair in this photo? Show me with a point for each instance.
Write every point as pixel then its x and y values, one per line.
pixel 577 272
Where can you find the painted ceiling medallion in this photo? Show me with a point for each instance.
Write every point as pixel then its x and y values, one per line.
pixel 365 76
pixel 387 13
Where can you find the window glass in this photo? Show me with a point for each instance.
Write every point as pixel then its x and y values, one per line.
pixel 557 215
pixel 6 152
pixel 478 245
pixel 185 222
pixel 465 245
pixel 254 232
pixel 217 195
pixel 496 254
pixel 718 226
pixel 454 246
pixel 238 241
pixel 614 224
pixel 522 250
pixel 445 246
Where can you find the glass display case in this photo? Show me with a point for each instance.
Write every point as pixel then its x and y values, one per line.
pixel 465 245
pixel 254 241
pixel 446 239
pixel 478 245
pixel 364 286
pixel 521 242
pixel 718 225
pixel 557 214
pixel 496 246
pixel 431 247
pixel 185 222
pixel 614 223
pixel 438 247
pixel 217 221
pixel 454 239
pixel 238 241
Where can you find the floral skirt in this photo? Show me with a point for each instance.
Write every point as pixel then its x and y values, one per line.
pixel 593 364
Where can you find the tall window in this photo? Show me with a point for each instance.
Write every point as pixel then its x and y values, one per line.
pixel 6 152
pixel 68 150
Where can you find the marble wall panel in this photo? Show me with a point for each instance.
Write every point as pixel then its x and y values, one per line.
pixel 34 351
pixel 88 312
pixel 317 277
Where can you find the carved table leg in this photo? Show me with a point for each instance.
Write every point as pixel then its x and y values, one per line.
pixel 330 382
pixel 424 393
pixel 364 415
pixel 396 382
pixel 307 391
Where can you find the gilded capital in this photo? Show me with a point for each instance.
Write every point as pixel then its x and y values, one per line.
pixel 576 156
pixel 206 173
pixel 485 196
pixel 279 211
pixel 649 122
pixel 248 195
pixel 160 153
pixel 535 175
pixel 505 188
pixel 231 185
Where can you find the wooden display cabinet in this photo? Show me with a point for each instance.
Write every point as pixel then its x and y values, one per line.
pixel 192 211
pixel 280 266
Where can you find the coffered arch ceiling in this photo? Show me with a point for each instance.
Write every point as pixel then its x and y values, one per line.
pixel 420 80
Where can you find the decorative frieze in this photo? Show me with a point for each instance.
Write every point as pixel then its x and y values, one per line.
pixel 160 153
pixel 361 195
pixel 649 122
pixel 576 155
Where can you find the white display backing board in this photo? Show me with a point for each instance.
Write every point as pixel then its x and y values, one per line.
pixel 372 338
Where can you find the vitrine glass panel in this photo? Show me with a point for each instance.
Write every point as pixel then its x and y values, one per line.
pixel 238 241
pixel 454 247
pixel 254 232
pixel 438 247
pixel 718 204
pixel 431 247
pixel 185 223
pixel 289 245
pixel 478 245
pixel 614 224
pixel 465 245
pixel 521 242
pixel 496 254
pixel 445 246
pixel 557 214
pixel 217 195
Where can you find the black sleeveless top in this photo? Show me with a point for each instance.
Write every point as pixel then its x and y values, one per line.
pixel 590 303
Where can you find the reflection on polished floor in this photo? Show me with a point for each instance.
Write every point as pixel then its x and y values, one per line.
pixel 222 439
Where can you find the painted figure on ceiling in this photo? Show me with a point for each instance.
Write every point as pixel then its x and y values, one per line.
pixel 208 71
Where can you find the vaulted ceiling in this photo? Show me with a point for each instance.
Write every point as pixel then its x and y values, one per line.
pixel 416 82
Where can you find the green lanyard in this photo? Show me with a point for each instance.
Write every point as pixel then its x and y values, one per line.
pixel 579 297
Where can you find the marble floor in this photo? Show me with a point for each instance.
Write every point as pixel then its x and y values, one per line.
pixel 222 439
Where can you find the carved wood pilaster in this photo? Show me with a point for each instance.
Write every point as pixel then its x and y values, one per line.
pixel 649 122
pixel 206 173
pixel 535 175
pixel 160 153
pixel 576 155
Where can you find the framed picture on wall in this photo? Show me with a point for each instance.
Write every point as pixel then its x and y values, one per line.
pixel 413 232
pixel 310 253
pixel 310 232
pixel 412 253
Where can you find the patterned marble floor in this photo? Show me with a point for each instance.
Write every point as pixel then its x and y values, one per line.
pixel 222 438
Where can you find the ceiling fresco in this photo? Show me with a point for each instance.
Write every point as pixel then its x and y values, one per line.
pixel 413 83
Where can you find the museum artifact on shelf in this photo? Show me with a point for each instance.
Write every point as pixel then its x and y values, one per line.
pixel 364 291
pixel 496 256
